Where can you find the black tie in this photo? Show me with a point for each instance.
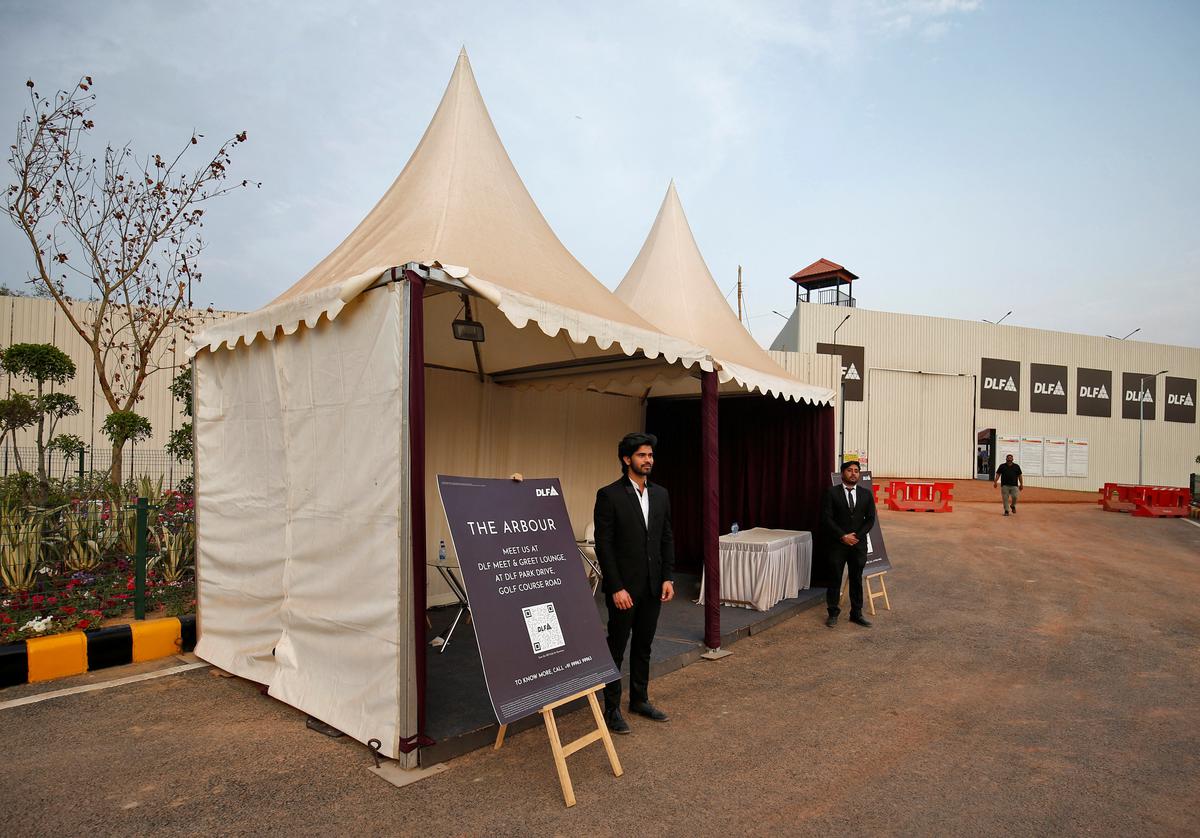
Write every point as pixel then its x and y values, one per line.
pixel 850 498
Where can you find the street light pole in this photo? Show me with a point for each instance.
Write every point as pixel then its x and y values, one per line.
pixel 1142 415
pixel 842 402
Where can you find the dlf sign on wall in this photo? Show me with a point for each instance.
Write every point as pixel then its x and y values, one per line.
pixel 1047 388
pixel 1137 395
pixel 1179 400
pixel 1093 392
pixel 853 367
pixel 999 384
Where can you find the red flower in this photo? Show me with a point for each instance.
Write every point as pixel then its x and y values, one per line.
pixel 68 609
pixel 130 586
pixel 83 624
pixel 37 600
pixel 95 612
pixel 120 596
pixel 52 600
pixel 5 618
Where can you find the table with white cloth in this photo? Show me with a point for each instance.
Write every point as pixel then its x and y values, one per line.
pixel 759 567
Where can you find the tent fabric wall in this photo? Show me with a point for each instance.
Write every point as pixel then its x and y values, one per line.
pixel 483 429
pixel 300 587
pixel 775 460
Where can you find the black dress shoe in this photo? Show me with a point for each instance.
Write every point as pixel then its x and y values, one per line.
pixel 616 722
pixel 860 620
pixel 831 621
pixel 645 708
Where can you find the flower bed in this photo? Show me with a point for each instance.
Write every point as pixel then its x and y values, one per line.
pixel 71 571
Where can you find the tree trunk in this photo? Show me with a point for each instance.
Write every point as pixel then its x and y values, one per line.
pixel 41 442
pixel 114 474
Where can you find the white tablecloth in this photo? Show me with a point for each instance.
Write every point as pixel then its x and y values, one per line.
pixel 759 567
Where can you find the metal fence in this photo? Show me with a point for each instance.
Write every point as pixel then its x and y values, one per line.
pixel 136 462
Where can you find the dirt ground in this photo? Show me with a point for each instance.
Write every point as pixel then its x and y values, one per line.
pixel 1038 676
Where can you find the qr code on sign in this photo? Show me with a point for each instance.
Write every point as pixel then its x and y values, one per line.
pixel 542 623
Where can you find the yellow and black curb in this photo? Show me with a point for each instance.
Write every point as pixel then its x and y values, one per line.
pixel 76 652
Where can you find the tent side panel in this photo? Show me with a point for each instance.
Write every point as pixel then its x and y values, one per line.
pixel 340 386
pixel 242 532
pixel 489 430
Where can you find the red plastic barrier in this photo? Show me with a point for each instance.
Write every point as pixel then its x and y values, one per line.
pixel 1145 501
pixel 1118 497
pixel 1163 502
pixel 903 496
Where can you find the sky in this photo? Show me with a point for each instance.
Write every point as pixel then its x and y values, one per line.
pixel 964 157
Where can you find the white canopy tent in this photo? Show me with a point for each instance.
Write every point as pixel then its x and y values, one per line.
pixel 310 437
pixel 317 415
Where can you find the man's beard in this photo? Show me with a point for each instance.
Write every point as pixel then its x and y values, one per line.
pixel 643 471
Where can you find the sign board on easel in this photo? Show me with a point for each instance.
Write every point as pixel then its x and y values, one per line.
pixel 539 634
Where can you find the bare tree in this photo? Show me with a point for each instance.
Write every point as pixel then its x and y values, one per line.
pixel 127 228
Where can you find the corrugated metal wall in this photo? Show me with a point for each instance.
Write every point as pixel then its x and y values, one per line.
pixel 953 348
pixel 34 320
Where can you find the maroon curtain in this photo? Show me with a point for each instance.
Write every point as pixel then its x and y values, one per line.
pixel 775 460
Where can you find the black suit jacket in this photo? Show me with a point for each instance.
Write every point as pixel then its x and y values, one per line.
pixel 837 519
pixel 631 554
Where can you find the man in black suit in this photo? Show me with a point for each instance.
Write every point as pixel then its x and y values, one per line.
pixel 847 515
pixel 636 550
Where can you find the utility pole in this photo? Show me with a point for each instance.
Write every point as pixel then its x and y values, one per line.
pixel 739 293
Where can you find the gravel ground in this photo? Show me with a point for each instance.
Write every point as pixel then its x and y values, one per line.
pixel 1039 675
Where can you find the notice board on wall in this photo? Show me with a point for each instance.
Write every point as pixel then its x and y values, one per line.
pixel 1077 458
pixel 1054 457
pixel 1008 444
pixel 1031 455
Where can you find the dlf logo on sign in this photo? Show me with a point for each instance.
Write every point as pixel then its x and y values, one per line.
pixel 1100 392
pixel 850 373
pixel 1047 388
pixel 1008 384
pixel 550 492
pixel 1184 399
pixel 1132 396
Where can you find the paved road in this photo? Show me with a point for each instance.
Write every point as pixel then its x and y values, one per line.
pixel 1038 676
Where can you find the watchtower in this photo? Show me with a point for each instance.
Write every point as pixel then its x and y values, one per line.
pixel 827 278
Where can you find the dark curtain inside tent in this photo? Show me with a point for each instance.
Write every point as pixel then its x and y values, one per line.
pixel 775 460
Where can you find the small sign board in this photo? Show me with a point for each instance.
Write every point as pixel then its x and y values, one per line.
pixel 877 557
pixel 538 630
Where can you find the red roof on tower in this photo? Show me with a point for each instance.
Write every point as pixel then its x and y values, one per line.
pixel 822 273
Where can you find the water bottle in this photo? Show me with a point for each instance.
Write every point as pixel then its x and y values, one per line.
pixel 734 529
pixel 442 551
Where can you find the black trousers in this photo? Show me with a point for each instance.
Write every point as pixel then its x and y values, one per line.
pixel 641 621
pixel 841 559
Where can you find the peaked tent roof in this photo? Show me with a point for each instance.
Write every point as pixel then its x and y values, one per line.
pixel 460 202
pixel 670 285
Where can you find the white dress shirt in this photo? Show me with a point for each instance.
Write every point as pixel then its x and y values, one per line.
pixel 644 500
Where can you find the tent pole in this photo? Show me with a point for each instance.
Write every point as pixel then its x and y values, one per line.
pixel 711 509
pixel 416 455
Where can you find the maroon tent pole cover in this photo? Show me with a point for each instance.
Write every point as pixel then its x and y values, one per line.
pixel 711 508
pixel 416 465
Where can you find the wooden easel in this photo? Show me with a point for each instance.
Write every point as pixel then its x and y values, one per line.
pixel 561 751
pixel 871 594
